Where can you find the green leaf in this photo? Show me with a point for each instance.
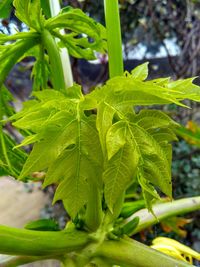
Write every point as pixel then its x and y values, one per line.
pixel 188 89
pixel 69 138
pixel 148 191
pixel 41 71
pixel 119 173
pixel 151 119
pixel 131 91
pixel 131 207
pixel 67 129
pixel 46 8
pixel 77 165
pixel 140 72
pixel 146 152
pixel 29 11
pixel 5 8
pixel 115 139
pixel 85 37
pixel 78 24
pixel 43 225
pixel 6 108
pixel 11 53
pixel 104 122
pixel 192 137
pixel 11 162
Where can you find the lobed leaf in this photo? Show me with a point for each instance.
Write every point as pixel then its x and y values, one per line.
pixel 140 72
pixel 74 136
pixel 85 37
pixel 62 131
pixel 30 13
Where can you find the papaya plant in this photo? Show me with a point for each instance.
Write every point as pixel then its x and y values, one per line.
pixel 96 148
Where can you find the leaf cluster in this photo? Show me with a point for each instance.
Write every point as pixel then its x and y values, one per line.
pixel 11 162
pixel 83 37
pixel 99 139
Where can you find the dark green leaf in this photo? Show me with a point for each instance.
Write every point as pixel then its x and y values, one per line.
pixel 43 225
pixel 5 8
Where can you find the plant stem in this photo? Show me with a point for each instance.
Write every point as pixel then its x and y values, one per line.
pixel 68 262
pixel 163 211
pixel 37 243
pixel 132 253
pixel 57 74
pixel 94 213
pixel 65 60
pixel 113 27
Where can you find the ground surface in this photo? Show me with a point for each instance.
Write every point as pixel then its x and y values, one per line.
pixel 20 204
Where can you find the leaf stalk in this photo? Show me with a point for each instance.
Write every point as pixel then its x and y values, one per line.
pixel 64 55
pixel 111 9
pixel 163 211
pixel 57 73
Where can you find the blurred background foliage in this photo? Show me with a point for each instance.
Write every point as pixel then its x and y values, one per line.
pixel 167 34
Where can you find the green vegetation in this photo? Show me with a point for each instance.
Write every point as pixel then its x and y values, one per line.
pixel 96 148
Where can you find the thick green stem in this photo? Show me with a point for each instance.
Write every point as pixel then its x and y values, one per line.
pixel 163 211
pixel 65 60
pixel 113 27
pixel 68 262
pixel 57 75
pixel 134 254
pixel 94 213
pixel 36 243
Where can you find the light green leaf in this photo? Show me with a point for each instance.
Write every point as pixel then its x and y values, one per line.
pixel 119 173
pixel 66 146
pixel 150 119
pixel 40 72
pixel 118 131
pixel 11 162
pixel 192 137
pixel 105 115
pixel 148 191
pixel 153 161
pixel 130 91
pixel 151 156
pixel 11 53
pixel 5 103
pixel 83 29
pixel 30 13
pixel 140 72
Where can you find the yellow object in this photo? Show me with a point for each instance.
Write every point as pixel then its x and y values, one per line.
pixel 175 249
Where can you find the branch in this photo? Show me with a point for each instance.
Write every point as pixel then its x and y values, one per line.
pixel 163 211
pixel 131 253
pixel 15 241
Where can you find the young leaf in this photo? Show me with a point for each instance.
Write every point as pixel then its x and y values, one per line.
pixel 119 173
pixel 153 119
pixel 148 191
pixel 78 24
pixel 43 225
pixel 70 139
pixel 11 162
pixel 30 13
pixel 140 72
